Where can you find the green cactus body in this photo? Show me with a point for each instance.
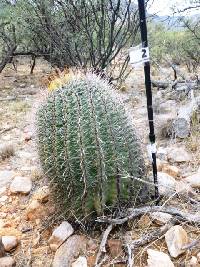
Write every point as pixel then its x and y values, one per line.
pixel 88 147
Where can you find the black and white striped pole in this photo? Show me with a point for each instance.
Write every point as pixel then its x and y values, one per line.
pixel 145 54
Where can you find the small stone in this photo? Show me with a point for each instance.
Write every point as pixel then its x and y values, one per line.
pixel 60 234
pixel 115 248
pixel 144 221
pixel 184 188
pixel 160 218
pixel 2 190
pixel 171 170
pixel 42 194
pixel 158 259
pixel 28 136
pixel 193 262
pixel 166 184
pixel 6 150
pixel 176 238
pixel 198 257
pixel 159 165
pixel 21 185
pixel 67 253
pixel 178 154
pixel 7 262
pixel 3 199
pixel 80 262
pixel 6 177
pixel 35 211
pixel 9 242
pixel 162 153
pixel 3 215
pixel 193 180
pixel 92 246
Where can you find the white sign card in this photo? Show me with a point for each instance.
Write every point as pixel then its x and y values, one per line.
pixel 138 55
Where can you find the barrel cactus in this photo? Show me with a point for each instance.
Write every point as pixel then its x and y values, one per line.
pixel 88 147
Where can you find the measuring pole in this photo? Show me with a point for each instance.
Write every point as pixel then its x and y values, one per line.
pixel 143 29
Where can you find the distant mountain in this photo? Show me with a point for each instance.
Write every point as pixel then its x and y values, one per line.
pixel 172 22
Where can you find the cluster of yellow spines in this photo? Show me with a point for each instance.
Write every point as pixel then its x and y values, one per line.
pixel 58 78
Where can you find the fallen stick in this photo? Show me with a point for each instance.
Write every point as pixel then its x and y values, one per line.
pixel 136 212
pixel 152 236
pixel 102 248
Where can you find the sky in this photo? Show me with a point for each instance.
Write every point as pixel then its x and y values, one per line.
pixel 164 7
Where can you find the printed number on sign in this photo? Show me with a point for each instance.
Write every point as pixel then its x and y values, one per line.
pixel 144 53
pixel 138 55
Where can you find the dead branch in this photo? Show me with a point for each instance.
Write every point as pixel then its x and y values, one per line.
pixel 102 248
pixel 137 212
pixel 192 244
pixel 153 235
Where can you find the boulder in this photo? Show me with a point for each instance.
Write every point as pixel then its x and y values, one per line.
pixel 9 242
pixel 60 234
pixel 21 185
pixel 80 262
pixel 67 253
pixel 176 238
pixel 158 259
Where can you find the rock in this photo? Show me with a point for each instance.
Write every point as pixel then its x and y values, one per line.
pixel 193 180
pixel 60 234
pixel 35 211
pixel 171 170
pixel 2 249
pixel 198 257
pixel 184 188
pixel 166 184
pixel 80 262
pixel 161 153
pixel 144 221
pixel 3 199
pixel 28 136
pixel 7 262
pixel 6 150
pixel 160 218
pixel 9 242
pixel 67 253
pixel 159 165
pixel 115 248
pixel 21 185
pixel 2 190
pixel 42 194
pixel 176 238
pixel 178 154
pixel 158 259
pixel 193 262
pixel 6 177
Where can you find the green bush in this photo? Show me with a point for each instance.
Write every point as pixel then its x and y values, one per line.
pixel 88 147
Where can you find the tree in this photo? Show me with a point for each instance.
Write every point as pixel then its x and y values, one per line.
pixel 81 33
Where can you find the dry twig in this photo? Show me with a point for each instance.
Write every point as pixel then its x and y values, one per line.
pixel 136 212
pixel 102 248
